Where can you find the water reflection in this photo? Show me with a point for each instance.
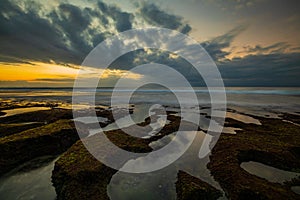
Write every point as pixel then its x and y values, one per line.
pixel 243 118
pixel 17 111
pixel 272 174
pixel 161 184
pixel 32 181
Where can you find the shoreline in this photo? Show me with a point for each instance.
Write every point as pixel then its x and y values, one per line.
pixel 219 162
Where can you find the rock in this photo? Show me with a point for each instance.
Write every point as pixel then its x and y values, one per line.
pixel 78 175
pixel 45 116
pixel 10 129
pixel 51 139
pixel 191 188
pixel 274 143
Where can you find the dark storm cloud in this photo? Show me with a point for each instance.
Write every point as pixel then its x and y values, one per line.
pixel 141 57
pixel 123 19
pixel 279 47
pixel 24 34
pixel 73 21
pixel 216 46
pixel 155 16
pixel 295 49
pixel 267 65
pixel 280 69
pixel 64 34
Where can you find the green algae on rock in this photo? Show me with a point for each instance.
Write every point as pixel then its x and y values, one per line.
pixel 45 116
pixel 273 143
pixel 191 188
pixel 50 139
pixel 10 129
pixel 78 175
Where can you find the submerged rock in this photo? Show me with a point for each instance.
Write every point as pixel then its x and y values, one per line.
pixel 191 188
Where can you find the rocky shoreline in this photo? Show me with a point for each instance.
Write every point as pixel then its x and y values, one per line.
pixel 51 139
pixel 78 175
pixel 275 143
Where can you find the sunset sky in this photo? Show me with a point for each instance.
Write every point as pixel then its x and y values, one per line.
pixel 43 43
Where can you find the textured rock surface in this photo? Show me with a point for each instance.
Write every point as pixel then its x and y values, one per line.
pixel 274 143
pixel 78 175
pixel 49 139
pixel 44 116
pixel 191 188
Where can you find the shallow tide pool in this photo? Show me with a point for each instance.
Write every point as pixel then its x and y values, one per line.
pixel 31 181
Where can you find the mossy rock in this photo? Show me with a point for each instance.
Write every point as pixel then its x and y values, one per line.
pixel 45 116
pixel 191 188
pixel 10 129
pixel 50 139
pixel 275 143
pixel 78 175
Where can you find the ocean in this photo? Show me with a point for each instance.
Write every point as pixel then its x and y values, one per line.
pixel 250 99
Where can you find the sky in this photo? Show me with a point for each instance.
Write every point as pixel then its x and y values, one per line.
pixel 253 43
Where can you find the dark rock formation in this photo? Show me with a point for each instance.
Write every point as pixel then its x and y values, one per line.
pixel 191 188
pixel 10 129
pixel 274 143
pixel 51 139
pixel 78 175
pixel 45 116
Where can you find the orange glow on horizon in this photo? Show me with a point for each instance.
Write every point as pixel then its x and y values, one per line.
pixel 34 71
pixel 41 73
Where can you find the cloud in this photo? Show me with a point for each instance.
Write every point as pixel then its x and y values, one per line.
pixel 24 34
pixel 279 47
pixel 72 21
pixel 155 16
pixel 42 83
pixel 65 33
pixel 216 46
pixel 278 69
pixel 272 65
pixel 123 19
pixel 53 80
